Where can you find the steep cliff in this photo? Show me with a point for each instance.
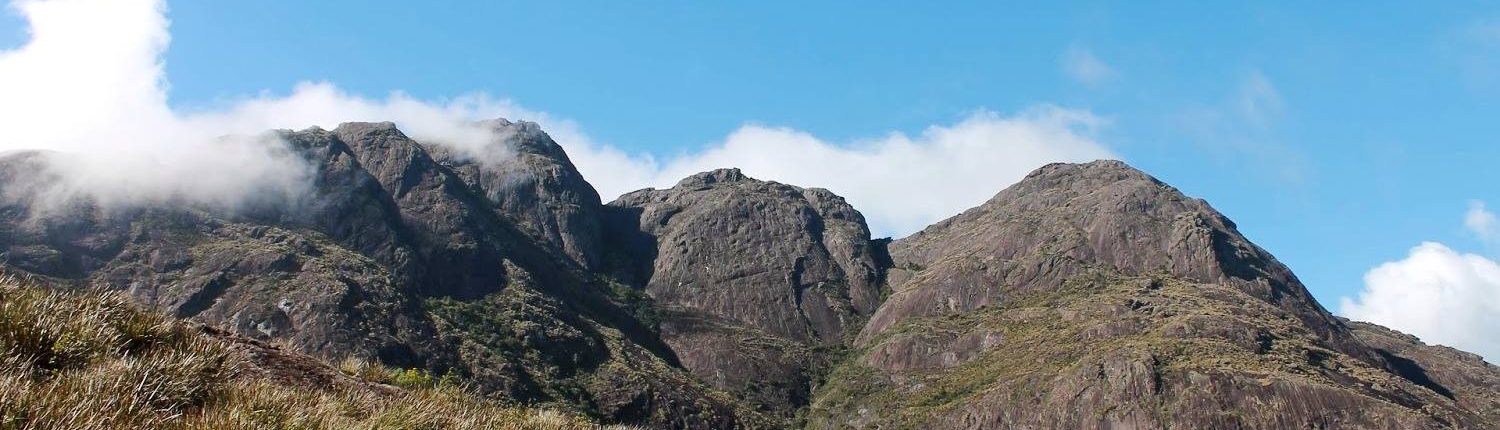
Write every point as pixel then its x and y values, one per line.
pixel 441 262
pixel 1085 296
pixel 760 284
pixel 1095 296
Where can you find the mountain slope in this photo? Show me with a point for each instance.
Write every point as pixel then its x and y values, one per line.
pixel 1085 296
pixel 1465 377
pixel 527 176
pixel 1094 296
pixel 95 361
pixel 760 284
pixel 395 255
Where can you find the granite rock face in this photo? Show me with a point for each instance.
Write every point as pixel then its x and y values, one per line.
pixel 401 252
pixel 527 176
pixel 1094 296
pixel 1086 296
pixel 1063 220
pixel 759 282
pixel 1462 376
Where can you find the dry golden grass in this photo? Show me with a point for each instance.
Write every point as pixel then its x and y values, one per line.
pixel 85 361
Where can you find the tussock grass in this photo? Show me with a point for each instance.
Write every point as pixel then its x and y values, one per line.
pixel 93 360
pixel 263 405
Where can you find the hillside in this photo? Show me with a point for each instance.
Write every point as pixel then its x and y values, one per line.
pixel 77 360
pixel 1085 296
pixel 1094 296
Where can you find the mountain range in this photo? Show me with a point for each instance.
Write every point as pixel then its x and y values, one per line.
pixel 1089 296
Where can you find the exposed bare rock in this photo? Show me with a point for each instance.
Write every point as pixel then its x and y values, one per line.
pixel 458 238
pixel 1087 296
pixel 1462 376
pixel 269 362
pixel 395 255
pixel 1094 296
pixel 754 278
pixel 1065 219
pixel 527 176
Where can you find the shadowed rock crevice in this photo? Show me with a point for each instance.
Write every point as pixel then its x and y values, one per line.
pixel 201 299
pixel 1415 373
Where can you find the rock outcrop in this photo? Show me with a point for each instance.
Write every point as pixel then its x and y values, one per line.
pixel 528 177
pixel 1086 296
pixel 760 284
pixel 1462 376
pixel 1094 296
pixel 451 264
pixel 1063 220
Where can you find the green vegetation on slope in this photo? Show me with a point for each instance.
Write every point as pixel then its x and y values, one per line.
pixel 530 343
pixel 93 360
pixel 1127 343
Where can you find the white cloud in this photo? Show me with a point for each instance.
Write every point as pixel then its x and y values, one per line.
pixel 90 84
pixel 1482 223
pixel 1081 65
pixel 1438 295
pixel 1259 102
pixel 902 183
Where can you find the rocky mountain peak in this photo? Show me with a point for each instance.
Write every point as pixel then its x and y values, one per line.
pixel 1116 168
pixel 712 177
pixel 1096 296
pixel 533 180
pixel 364 131
pixel 526 137
pixel 407 253
pixel 1084 296
pixel 730 259
pixel 521 172
pixel 1065 219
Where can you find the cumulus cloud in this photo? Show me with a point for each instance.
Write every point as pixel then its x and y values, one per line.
pixel 902 183
pixel 90 84
pixel 88 87
pixel 1081 65
pixel 1482 223
pixel 1437 294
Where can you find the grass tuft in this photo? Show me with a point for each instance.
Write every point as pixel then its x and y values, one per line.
pixel 94 361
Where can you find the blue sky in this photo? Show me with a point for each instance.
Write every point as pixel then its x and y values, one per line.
pixel 1337 137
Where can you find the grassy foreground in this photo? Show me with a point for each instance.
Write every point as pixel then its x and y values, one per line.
pixel 94 360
